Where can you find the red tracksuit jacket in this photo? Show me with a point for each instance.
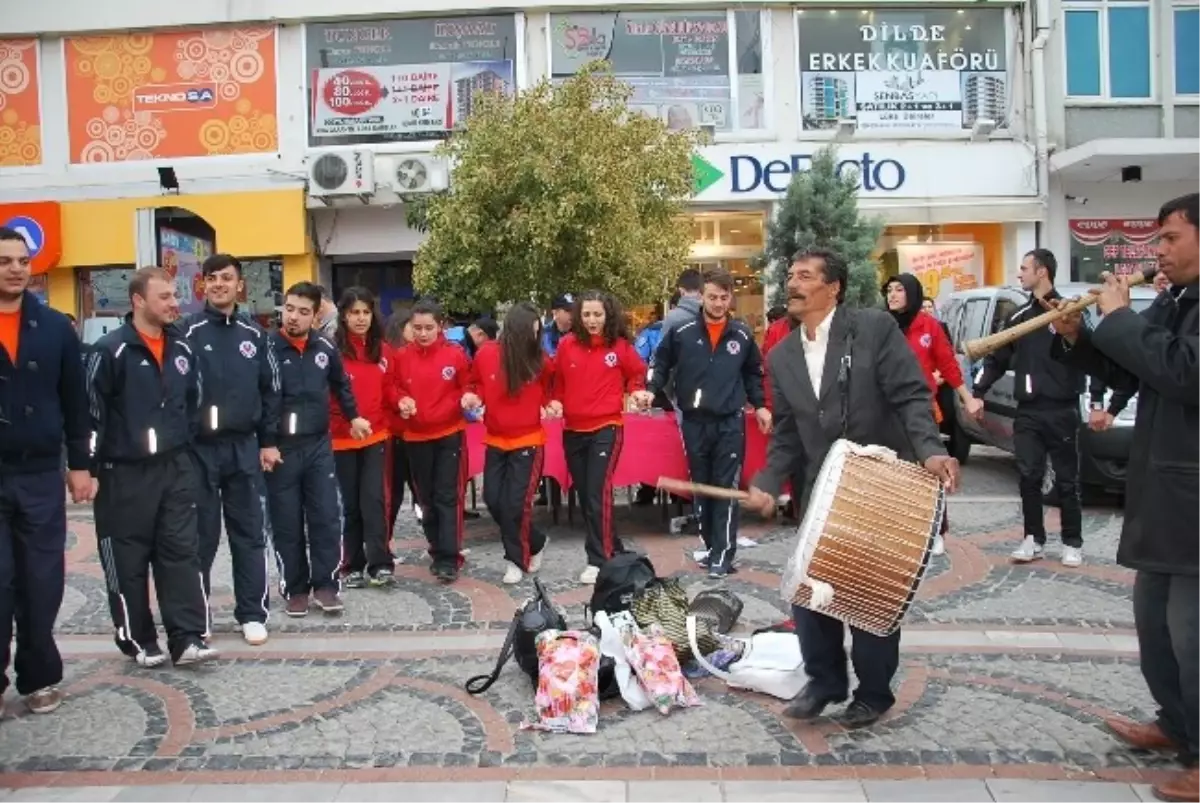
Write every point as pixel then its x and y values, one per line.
pixel 591 381
pixel 435 377
pixel 373 391
pixel 928 341
pixel 512 422
pixel 776 333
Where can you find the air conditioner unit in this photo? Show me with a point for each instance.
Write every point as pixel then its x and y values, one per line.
pixel 341 173
pixel 414 174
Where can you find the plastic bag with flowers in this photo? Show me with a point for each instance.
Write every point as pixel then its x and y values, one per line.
pixel 568 697
pixel 652 656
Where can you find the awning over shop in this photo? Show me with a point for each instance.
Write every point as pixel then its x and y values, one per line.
pixel 1102 159
pixel 941 211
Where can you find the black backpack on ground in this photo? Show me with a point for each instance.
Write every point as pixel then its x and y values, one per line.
pixel 622 578
pixel 535 616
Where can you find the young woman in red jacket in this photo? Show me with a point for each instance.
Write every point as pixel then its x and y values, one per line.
pixel 513 378
pixel 594 368
pixel 398 334
pixel 364 466
pixel 904 295
pixel 430 377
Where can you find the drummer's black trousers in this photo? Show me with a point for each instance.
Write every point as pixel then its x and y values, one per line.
pixel 875 660
pixel 715 446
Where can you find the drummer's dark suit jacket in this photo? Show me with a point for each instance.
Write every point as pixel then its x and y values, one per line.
pixel 889 402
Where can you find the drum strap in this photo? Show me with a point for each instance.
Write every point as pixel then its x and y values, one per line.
pixel 843 380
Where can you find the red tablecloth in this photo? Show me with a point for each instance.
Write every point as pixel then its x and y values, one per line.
pixel 653 448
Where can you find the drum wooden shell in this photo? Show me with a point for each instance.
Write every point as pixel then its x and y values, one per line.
pixel 867 532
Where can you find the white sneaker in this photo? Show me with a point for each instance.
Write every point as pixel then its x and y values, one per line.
pixel 588 578
pixel 255 633
pixel 535 562
pixel 512 574
pixel 939 546
pixel 1028 551
pixel 195 654
pixel 1072 557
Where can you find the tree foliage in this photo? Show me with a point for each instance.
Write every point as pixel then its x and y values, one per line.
pixel 820 210
pixel 559 188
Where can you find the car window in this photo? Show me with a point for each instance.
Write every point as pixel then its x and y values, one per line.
pixel 975 319
pixel 1138 304
pixel 1005 307
pixel 950 315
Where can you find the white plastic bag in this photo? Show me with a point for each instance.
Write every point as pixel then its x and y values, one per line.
pixel 611 645
pixel 771 663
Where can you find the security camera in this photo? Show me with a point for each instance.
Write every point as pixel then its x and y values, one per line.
pixel 1077 199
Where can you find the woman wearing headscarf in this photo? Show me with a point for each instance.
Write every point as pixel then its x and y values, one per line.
pixel 904 297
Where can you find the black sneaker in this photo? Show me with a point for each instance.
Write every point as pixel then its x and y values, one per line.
pixel 150 656
pixel 444 572
pixel 382 577
pixel 720 572
pixel 355 580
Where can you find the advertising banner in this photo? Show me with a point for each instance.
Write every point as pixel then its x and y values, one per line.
pixel 943 268
pixel 1113 245
pixel 182 255
pixel 392 80
pixel 403 99
pixel 170 95
pixel 20 112
pixel 676 63
pixel 903 70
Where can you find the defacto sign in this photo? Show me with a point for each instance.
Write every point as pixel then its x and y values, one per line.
pixel 918 170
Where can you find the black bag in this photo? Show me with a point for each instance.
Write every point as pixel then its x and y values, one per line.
pixel 622 578
pixel 535 616
pixel 720 607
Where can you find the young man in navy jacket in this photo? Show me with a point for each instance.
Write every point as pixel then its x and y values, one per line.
pixel 42 404
pixel 237 438
pixel 717 370
pixel 305 502
pixel 145 392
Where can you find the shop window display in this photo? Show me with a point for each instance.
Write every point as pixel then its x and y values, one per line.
pixel 946 258
pixel 688 68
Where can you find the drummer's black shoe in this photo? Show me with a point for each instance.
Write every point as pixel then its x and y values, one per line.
pixel 808 705
pixel 858 715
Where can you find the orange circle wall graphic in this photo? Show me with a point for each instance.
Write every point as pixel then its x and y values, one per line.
pixel 169 95
pixel 20 116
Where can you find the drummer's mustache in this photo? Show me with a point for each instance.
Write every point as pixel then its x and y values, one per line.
pixel 797 297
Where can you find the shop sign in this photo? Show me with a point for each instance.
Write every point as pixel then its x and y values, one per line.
pixel 934 69
pixel 41 225
pixel 942 268
pixel 920 170
pixel 1118 246
pixel 390 80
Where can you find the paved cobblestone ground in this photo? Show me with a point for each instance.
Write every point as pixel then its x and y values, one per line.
pixel 1007 672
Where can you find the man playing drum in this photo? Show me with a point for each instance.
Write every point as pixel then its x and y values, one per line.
pixel 843 373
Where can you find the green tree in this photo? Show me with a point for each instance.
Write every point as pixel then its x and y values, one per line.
pixel 820 210
pixel 558 188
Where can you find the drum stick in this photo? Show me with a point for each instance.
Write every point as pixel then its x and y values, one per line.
pixel 699 489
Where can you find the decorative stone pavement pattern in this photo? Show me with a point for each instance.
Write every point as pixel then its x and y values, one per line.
pixel 396 710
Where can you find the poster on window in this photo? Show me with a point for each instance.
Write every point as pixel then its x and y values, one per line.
pixel 403 99
pixel 391 80
pixel 942 268
pixel 182 255
pixel 903 70
pixel 1116 246
pixel 676 63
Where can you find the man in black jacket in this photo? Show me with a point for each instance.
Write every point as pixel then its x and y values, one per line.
pixel 239 430
pixel 145 391
pixel 1047 420
pixel 42 404
pixel 1155 354
pixel 717 368
pixel 302 487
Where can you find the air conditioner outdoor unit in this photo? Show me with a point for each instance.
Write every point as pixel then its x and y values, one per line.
pixel 341 173
pixel 414 174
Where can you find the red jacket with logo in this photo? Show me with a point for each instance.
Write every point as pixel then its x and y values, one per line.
pixel 506 417
pixel 776 333
pixel 928 341
pixel 371 388
pixel 591 381
pixel 435 377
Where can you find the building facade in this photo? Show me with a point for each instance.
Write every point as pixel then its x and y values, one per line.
pixel 1123 80
pixel 161 132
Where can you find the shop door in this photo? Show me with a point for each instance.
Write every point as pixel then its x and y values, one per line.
pixel 390 282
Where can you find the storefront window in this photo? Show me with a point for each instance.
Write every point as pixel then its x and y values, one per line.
pixel 377 81
pixel 946 258
pixel 731 240
pixel 104 291
pixel 903 70
pixel 678 63
pixel 1115 246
